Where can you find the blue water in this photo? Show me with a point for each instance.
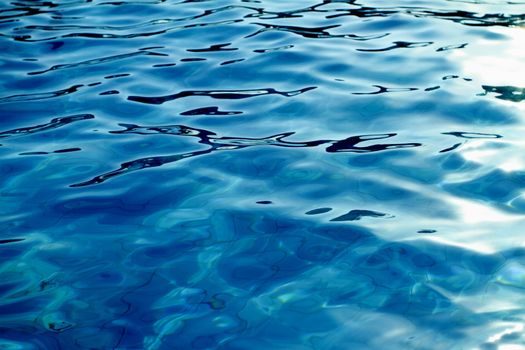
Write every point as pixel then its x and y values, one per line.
pixel 262 174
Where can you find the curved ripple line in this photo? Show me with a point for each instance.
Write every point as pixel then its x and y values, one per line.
pixel 160 21
pixel 26 11
pixel 27 38
pixel 399 45
pixel 215 48
pixel 218 94
pixel 11 240
pixel 350 144
pixel 216 143
pixel 472 135
pixel 40 95
pixel 472 18
pixel 452 47
pixel 313 32
pixel 383 89
pixel 53 124
pixel 97 61
pixel 213 110
pixel 467 135
pixel 51 28
pixel 358 214
pixel 451 148
pixel 463 17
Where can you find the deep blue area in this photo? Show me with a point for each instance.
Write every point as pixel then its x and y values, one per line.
pixel 244 174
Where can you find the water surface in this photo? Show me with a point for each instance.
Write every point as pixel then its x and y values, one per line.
pixel 262 174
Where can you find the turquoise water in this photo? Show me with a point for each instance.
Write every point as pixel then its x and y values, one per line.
pixel 262 174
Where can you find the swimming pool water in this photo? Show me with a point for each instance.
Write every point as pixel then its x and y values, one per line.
pixel 262 174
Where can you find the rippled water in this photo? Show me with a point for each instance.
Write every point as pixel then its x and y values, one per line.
pixel 262 174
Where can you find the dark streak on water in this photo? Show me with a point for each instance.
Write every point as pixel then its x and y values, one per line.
pixel 286 175
pixel 206 137
pixel 218 94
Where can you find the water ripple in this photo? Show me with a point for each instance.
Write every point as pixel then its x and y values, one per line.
pixel 29 38
pixel 509 93
pixel 313 33
pixel 97 61
pixel 216 143
pixel 53 124
pixel 218 94
pixel 40 95
pixel 360 169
